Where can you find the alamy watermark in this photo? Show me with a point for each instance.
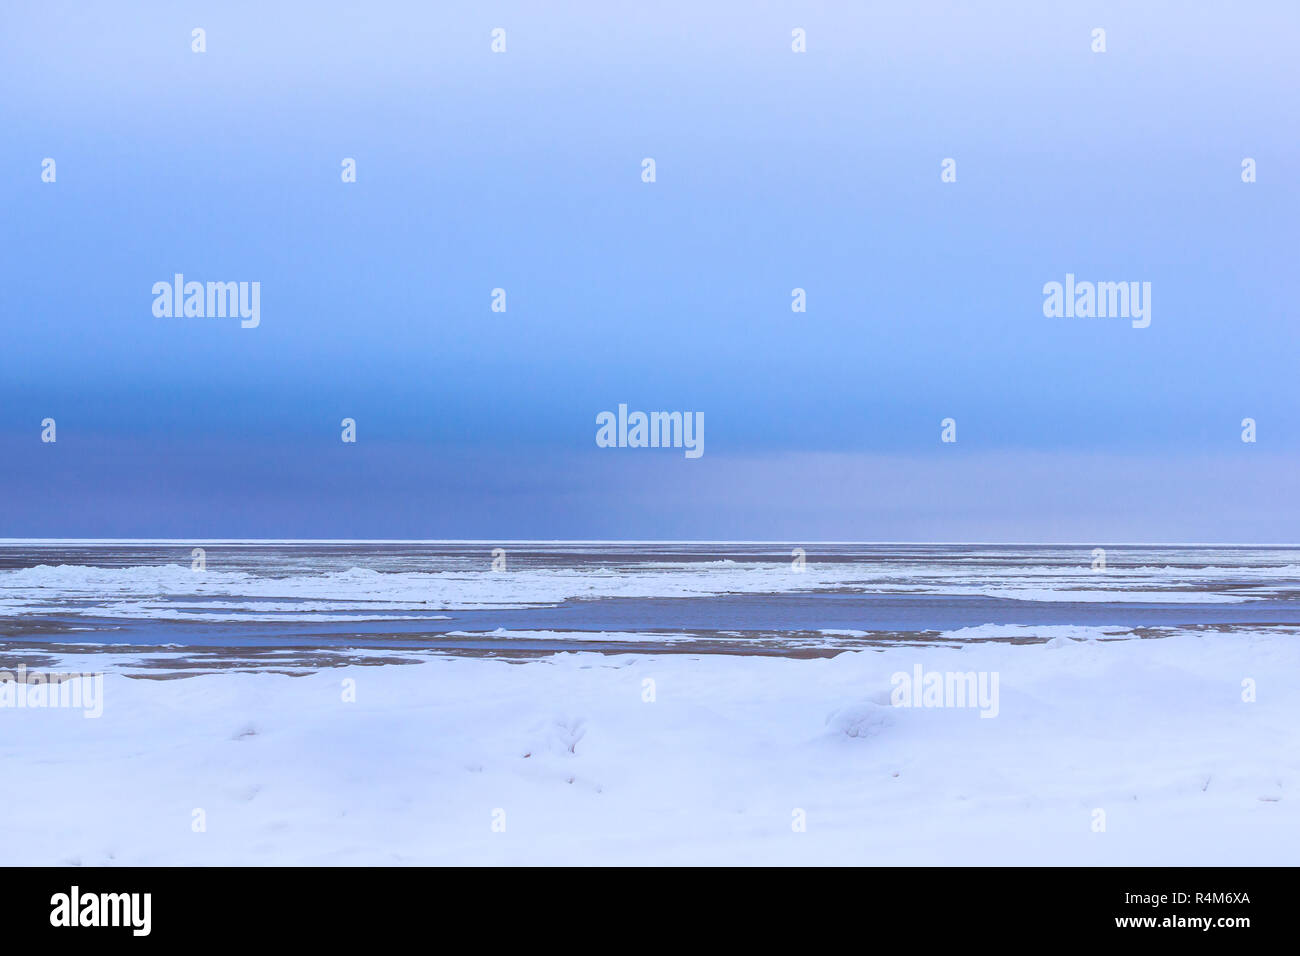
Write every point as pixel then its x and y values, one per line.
pixel 215 300
pixel 75 908
pixel 52 690
pixel 651 430
pixel 946 689
pixel 1102 300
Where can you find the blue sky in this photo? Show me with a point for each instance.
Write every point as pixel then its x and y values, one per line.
pixel 774 170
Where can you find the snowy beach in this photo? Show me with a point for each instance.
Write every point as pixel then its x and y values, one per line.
pixel 1092 744
pixel 569 755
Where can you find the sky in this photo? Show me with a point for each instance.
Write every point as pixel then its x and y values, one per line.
pixel 774 170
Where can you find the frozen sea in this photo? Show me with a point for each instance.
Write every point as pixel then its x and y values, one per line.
pixel 699 597
pixel 702 703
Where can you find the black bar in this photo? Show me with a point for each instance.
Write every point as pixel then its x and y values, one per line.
pixel 919 906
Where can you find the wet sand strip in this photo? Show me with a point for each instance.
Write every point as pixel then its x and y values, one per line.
pixel 158 663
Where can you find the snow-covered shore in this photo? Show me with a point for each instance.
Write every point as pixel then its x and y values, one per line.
pixel 580 766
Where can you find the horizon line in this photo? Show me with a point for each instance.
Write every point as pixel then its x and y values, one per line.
pixel 781 541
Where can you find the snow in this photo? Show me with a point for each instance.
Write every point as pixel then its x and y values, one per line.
pixel 1154 733
pixel 169 591
pixel 994 632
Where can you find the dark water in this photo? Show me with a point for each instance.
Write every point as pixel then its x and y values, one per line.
pixel 446 595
